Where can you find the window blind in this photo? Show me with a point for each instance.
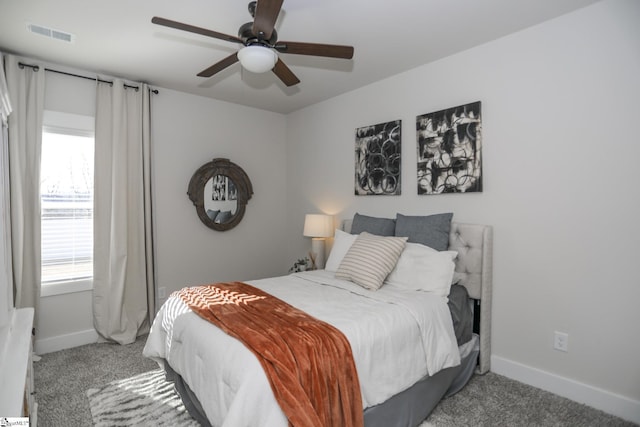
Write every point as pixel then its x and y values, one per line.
pixel 66 206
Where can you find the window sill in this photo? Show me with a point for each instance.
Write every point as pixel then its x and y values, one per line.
pixel 61 288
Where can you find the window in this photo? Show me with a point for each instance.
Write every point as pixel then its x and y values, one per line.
pixel 66 191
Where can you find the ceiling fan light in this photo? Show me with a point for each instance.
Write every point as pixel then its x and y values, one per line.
pixel 257 59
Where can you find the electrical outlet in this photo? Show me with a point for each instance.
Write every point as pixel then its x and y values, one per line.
pixel 561 341
pixel 162 293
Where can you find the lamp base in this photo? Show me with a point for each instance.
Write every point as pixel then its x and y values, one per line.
pixel 317 252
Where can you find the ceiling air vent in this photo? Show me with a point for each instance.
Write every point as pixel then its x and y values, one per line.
pixel 51 33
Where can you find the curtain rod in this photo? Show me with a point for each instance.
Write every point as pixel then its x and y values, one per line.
pixel 37 67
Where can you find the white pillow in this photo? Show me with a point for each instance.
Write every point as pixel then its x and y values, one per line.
pixel 370 259
pixel 341 243
pixel 424 269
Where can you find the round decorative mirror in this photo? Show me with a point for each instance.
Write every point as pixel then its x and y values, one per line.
pixel 220 191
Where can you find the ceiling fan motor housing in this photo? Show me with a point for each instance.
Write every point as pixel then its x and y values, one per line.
pixel 252 8
pixel 246 34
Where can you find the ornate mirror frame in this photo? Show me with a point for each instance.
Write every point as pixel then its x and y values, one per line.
pixel 202 176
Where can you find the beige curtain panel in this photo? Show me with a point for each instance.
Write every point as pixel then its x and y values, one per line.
pixel 26 92
pixel 123 288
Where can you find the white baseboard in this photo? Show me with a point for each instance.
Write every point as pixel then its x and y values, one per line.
pixel 61 342
pixel 608 402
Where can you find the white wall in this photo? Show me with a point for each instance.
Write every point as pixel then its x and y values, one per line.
pixel 189 131
pixel 559 106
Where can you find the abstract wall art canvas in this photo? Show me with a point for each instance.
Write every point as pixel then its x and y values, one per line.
pixel 377 159
pixel 450 150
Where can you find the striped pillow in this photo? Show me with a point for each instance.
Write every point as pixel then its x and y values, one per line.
pixel 370 259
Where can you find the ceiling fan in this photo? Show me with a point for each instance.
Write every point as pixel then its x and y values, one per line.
pixel 260 42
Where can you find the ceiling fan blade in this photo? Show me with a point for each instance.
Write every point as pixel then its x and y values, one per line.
pixel 219 66
pixel 315 49
pixel 192 29
pixel 265 17
pixel 285 74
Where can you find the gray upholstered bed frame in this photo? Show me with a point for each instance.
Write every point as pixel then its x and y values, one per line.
pixel 474 269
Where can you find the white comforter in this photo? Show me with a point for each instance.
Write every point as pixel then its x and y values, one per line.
pixel 396 337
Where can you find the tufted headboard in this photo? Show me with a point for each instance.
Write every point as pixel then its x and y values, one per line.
pixel 474 270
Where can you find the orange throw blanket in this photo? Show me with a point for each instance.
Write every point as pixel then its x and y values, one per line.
pixel 308 362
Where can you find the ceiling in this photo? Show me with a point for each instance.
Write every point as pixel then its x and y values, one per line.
pixel 116 38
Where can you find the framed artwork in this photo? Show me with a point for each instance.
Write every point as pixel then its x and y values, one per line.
pixel 450 150
pixel 219 188
pixel 377 159
pixel 223 189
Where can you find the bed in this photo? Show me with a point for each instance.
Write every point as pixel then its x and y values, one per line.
pixel 399 388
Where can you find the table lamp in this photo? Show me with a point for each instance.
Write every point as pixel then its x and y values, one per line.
pixel 318 227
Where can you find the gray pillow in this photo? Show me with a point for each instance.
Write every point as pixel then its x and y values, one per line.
pixel 373 225
pixel 223 217
pixel 430 230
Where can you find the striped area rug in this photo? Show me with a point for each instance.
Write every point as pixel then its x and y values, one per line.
pixel 143 400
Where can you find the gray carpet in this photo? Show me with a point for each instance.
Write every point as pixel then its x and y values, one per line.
pixel 497 401
pixel 64 378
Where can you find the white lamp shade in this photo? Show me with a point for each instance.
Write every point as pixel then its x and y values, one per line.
pixel 318 225
pixel 257 59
